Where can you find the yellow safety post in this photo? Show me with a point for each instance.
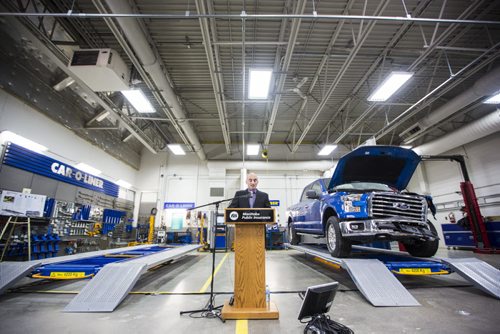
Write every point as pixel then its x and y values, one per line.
pixel 152 225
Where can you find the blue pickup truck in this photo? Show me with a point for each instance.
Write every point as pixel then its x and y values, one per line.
pixel 365 201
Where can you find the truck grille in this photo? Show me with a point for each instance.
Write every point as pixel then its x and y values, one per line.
pixel 407 207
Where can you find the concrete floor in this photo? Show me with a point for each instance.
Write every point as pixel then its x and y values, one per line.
pixel 449 304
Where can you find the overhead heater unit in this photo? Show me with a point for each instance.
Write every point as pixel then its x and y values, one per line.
pixel 101 69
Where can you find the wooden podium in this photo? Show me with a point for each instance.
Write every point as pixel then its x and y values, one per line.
pixel 250 269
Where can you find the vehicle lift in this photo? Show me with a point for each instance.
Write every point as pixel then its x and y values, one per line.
pixel 374 272
pixel 114 272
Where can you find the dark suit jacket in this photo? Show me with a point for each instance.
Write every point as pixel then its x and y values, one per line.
pixel 261 200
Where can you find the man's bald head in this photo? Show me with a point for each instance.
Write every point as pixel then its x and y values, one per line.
pixel 252 181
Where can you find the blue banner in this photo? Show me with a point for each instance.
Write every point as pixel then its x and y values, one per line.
pixel 20 157
pixel 274 202
pixel 178 205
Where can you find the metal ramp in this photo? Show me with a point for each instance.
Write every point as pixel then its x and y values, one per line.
pixel 11 272
pixel 114 281
pixel 371 276
pixel 479 273
pixel 107 289
pixel 377 283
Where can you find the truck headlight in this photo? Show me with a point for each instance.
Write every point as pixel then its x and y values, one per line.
pixel 351 197
pixel 351 207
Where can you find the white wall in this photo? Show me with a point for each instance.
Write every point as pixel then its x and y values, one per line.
pixel 444 177
pixel 187 179
pixel 63 144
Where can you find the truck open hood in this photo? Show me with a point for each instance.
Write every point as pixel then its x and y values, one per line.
pixel 391 165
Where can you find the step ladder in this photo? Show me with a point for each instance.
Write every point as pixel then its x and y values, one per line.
pixel 13 222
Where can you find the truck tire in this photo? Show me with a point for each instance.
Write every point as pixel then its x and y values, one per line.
pixel 424 248
pixel 337 246
pixel 293 237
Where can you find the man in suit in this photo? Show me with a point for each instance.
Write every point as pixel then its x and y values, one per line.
pixel 257 199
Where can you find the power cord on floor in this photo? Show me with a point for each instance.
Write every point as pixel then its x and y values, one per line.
pixel 208 313
pixel 322 324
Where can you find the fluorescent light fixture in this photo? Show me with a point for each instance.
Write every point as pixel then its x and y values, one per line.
pixel 408 147
pixel 176 149
pixel 139 101
pixel 123 184
pixel 495 99
pixel 260 80
pixel 6 136
pixel 88 169
pixel 327 149
pixel 253 149
pixel 390 85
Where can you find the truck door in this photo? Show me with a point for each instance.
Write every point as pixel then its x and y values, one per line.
pixel 314 210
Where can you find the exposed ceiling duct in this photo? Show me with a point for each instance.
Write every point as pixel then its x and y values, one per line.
pixel 139 42
pixel 478 129
pixel 487 85
pixel 319 165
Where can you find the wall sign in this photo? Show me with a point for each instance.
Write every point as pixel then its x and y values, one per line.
pixel 20 157
pixel 178 205
pixel 274 202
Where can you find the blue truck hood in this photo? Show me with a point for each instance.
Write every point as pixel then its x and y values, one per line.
pixel 391 165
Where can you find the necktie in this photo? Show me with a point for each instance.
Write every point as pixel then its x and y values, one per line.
pixel 252 198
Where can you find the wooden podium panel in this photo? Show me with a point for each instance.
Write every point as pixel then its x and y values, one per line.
pixel 250 274
pixel 250 259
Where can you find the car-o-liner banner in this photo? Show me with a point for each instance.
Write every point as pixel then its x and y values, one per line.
pixel 23 158
pixel 232 215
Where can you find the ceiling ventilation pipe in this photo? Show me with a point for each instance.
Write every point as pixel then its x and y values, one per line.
pixel 478 129
pixel 139 42
pixel 319 165
pixel 487 85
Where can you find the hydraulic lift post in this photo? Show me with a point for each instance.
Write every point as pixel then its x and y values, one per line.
pixel 483 244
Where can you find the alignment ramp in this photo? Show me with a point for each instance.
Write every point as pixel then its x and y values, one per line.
pixel 114 281
pixel 371 276
pixel 377 283
pixel 11 272
pixel 479 273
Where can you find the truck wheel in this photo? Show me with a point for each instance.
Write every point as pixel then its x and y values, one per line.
pixel 424 248
pixel 337 246
pixel 293 237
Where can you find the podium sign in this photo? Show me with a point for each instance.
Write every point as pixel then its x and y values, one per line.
pixel 249 215
pixel 250 265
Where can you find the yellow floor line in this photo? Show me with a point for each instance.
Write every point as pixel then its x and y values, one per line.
pixel 207 283
pixel 241 327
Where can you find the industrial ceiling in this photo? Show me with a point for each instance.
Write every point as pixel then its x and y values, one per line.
pixel 192 59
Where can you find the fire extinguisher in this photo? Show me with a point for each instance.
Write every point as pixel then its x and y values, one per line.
pixel 451 217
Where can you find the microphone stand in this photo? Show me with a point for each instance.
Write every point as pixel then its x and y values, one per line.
pixel 211 311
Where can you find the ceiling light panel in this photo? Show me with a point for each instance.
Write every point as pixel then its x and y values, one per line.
pixel 176 149
pixel 390 85
pixel 139 101
pixel 253 149
pixel 495 99
pixel 327 149
pixel 260 80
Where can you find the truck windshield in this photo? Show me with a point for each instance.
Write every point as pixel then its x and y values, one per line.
pixel 363 186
